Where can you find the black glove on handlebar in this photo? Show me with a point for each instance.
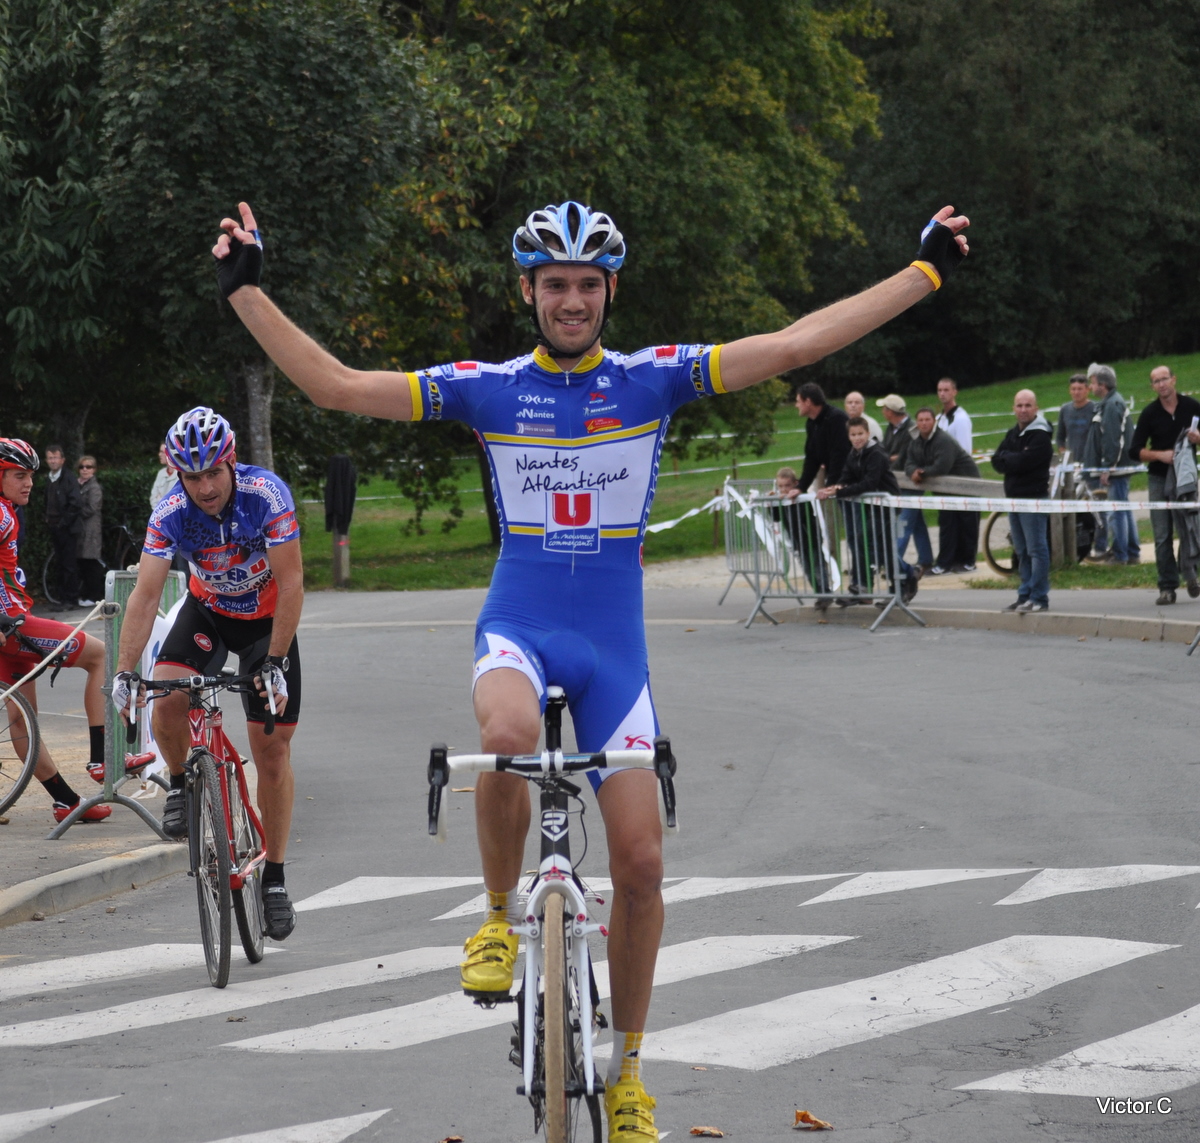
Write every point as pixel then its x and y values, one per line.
pixel 242 266
pixel 939 252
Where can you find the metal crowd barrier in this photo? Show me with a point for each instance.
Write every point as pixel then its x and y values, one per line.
pixel 840 552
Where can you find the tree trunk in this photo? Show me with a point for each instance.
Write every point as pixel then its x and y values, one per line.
pixel 255 382
pixel 68 426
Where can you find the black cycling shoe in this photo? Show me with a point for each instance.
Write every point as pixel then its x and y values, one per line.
pixel 174 819
pixel 278 915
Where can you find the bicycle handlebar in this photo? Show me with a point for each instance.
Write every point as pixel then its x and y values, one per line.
pixel 238 684
pixel 547 765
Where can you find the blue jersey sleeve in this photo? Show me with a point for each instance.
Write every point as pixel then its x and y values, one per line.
pixel 682 373
pixel 443 392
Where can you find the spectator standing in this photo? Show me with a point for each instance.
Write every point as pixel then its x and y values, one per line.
pixel 868 469
pixel 164 481
pixel 1161 425
pixel 855 404
pixel 91 566
pixel 63 522
pixel 1075 419
pixel 1023 458
pixel 1108 444
pixel 934 452
pixel 953 419
pixel 896 440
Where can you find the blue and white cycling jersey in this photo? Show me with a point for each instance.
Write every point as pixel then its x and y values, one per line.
pixel 574 461
pixel 231 574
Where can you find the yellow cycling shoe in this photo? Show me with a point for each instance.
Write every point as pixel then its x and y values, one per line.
pixel 630 1113
pixel 487 972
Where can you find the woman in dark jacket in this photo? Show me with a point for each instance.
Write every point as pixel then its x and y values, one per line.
pixel 91 566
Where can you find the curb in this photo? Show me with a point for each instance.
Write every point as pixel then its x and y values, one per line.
pixel 70 888
pixel 1039 623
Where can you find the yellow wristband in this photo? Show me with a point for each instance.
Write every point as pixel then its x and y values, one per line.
pixel 928 270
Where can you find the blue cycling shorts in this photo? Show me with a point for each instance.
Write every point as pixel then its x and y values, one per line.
pixel 581 630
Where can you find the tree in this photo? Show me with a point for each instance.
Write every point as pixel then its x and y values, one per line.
pixel 304 108
pixel 1070 133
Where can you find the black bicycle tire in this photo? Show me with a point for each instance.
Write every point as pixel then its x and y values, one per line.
pixel 33 744
pixel 555 1026
pixel 247 901
pixel 212 869
pixel 992 561
pixel 48 579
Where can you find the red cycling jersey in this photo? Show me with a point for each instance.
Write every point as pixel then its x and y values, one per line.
pixel 14 599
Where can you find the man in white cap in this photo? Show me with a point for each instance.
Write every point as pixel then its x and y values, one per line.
pixel 899 433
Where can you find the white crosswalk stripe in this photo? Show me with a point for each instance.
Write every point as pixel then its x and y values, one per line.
pixel 869 884
pixel 1057 882
pixel 211 1002
pixel 322 1131
pixel 451 1014
pixel 18 1123
pixel 697 888
pixel 1148 1061
pixel 363 889
pixel 808 1023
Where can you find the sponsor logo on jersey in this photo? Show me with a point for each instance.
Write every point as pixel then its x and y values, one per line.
pixel 535 414
pixel 572 522
pixel 596 398
pixel 435 402
pixel 602 424
pixel 698 376
pixel 202 641
pixel 282 527
pixel 535 399
pixel 215 560
pixel 464 369
pixel 19 576
pixel 48 645
pixel 534 429
pixel 666 355
pixel 636 742
pixel 505 653
pixel 603 383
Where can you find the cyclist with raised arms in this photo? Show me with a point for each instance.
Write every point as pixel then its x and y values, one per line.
pixel 236 526
pixel 26 645
pixel 573 434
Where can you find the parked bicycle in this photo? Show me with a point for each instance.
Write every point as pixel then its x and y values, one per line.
pixel 557 1005
pixel 225 836
pixel 124 541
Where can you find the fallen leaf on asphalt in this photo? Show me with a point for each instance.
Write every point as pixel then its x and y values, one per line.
pixel 451 1138
pixel 708 1132
pixel 235 1019
pixel 1082 639
pixel 697 1068
pixel 806 1121
pixel 462 789
pixel 3 821
pixel 111 909
pixel 38 917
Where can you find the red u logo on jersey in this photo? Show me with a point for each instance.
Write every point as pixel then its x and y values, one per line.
pixel 572 510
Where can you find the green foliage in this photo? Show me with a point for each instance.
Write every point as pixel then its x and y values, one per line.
pixel 1070 133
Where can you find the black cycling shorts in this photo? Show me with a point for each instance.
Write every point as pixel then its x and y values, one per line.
pixel 201 640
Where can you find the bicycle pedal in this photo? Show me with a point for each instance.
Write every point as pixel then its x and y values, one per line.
pixel 489 999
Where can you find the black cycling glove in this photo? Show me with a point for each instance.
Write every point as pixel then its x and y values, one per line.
pixel 939 253
pixel 242 266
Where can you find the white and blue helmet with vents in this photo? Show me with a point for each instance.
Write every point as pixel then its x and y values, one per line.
pixel 569 234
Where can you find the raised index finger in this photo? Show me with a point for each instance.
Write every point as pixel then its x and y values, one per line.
pixel 248 222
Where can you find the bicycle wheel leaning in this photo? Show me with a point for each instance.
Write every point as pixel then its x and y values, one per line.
pixel 997 540
pixel 571 1115
pixel 247 901
pixel 50 580
pixel 210 864
pixel 20 741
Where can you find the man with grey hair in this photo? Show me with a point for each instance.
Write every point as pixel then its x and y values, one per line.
pixel 855 405
pixel 1108 446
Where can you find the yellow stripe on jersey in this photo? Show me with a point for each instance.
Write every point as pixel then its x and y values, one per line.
pixel 527 530
pixel 714 369
pixel 607 533
pixel 414 388
pixel 574 442
pixel 619 533
pixel 543 359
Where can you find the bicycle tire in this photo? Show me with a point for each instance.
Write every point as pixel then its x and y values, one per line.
pixel 997 563
pixel 247 901
pixel 565 1119
pixel 212 868
pixel 49 577
pixel 18 754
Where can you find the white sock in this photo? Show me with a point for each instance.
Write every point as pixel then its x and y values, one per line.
pixel 626 1060
pixel 506 905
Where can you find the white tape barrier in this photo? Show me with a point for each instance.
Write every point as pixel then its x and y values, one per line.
pixel 714 505
pixel 1046 507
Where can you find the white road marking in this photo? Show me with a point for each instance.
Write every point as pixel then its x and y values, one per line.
pixel 323 1131
pixel 807 1023
pixel 91 968
pixel 1055 882
pixel 363 889
pixel 868 884
pixel 179 1006
pixel 18 1123
pixel 1159 1057
pixel 695 888
pixel 476 905
pixel 452 1014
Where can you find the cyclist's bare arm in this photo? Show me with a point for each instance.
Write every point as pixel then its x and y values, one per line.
pixel 141 610
pixel 320 375
pixel 288 570
pixel 753 359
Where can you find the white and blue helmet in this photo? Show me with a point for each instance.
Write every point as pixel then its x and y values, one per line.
pixel 201 439
pixel 569 234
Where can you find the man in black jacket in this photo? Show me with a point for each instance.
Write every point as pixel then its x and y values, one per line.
pixel 1023 457
pixel 934 452
pixel 63 520
pixel 868 468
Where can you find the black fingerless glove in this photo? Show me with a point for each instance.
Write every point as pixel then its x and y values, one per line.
pixel 939 253
pixel 242 266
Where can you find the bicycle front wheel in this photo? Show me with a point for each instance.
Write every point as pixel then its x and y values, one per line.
pixel 19 745
pixel 997 544
pixel 50 579
pixel 571 1115
pixel 211 853
pixel 247 901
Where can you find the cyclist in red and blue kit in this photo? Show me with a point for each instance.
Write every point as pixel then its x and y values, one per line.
pixel 236 526
pixel 573 434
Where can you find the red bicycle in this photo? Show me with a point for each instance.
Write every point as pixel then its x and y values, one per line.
pixel 225 836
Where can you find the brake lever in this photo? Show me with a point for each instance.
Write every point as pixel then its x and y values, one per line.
pixel 438 774
pixel 664 769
